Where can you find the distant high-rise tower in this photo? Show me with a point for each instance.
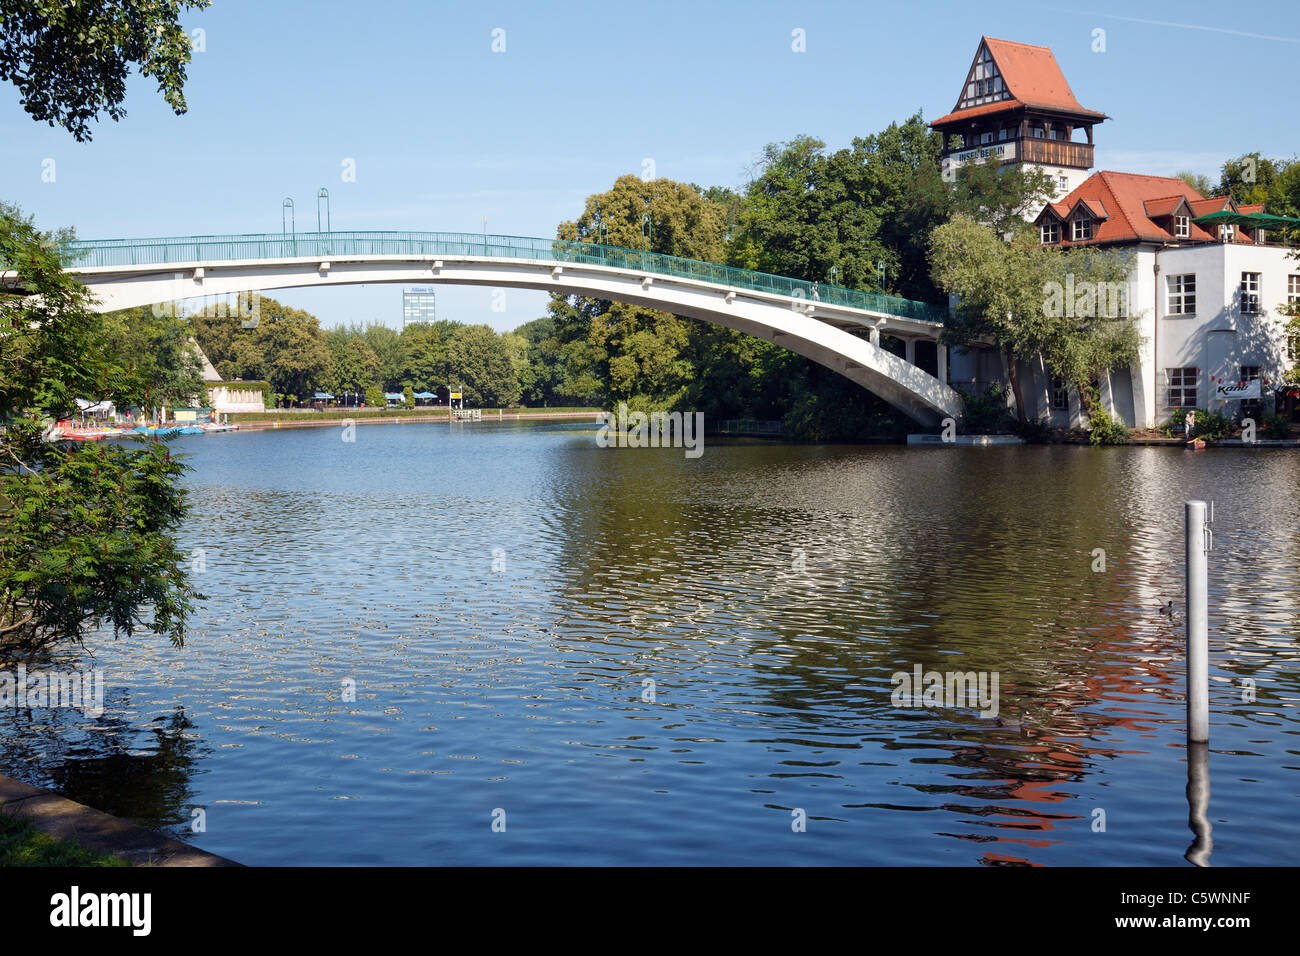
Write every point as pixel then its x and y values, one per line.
pixel 418 306
pixel 1017 108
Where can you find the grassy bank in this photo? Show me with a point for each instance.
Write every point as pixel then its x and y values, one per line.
pixel 21 844
pixel 338 414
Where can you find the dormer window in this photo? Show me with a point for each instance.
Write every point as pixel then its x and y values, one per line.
pixel 1081 229
pixel 1050 232
pixel 1227 232
pixel 1182 227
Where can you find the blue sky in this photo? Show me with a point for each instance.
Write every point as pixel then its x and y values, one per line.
pixel 443 131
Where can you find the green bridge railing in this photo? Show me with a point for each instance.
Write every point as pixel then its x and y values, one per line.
pixel 94 253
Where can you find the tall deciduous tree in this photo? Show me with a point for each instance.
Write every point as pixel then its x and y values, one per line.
pixel 1027 299
pixel 480 361
pixel 70 60
pixel 622 352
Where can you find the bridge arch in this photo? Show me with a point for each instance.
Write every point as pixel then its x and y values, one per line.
pixel 795 315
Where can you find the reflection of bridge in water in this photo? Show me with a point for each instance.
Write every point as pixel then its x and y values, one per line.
pixel 815 321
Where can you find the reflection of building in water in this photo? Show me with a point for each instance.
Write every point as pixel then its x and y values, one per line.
pixel 1045 742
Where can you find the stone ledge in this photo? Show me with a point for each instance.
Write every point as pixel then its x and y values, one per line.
pixel 95 830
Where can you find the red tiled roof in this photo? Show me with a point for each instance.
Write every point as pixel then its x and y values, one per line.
pixel 1248 208
pixel 1095 207
pixel 976 111
pixel 1032 77
pixel 1203 207
pixel 1132 199
pixel 1164 206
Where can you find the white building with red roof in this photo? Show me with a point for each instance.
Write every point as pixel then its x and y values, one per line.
pixel 1206 294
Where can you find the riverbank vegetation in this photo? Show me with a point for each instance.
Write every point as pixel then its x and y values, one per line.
pixel 21 844
pixel 875 216
pixel 88 532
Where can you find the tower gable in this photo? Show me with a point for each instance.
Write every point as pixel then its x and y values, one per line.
pixel 984 81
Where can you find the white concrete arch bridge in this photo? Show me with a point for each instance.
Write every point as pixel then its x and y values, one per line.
pixel 123 273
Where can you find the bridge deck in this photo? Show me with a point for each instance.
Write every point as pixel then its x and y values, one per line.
pixel 88 255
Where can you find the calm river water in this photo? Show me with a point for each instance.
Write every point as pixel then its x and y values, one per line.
pixel 631 657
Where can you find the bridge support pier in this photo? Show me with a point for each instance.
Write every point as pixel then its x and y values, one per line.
pixel 875 336
pixel 941 354
pixel 909 351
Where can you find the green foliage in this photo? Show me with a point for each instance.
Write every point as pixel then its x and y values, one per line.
pixel 807 212
pixel 408 397
pixel 70 61
pixel 159 348
pixel 1277 427
pixel 1035 431
pixel 995 195
pixel 88 531
pixel 353 364
pixel 613 351
pixel 480 362
pixel 21 844
pixel 1210 426
pixel 1106 428
pixel 1198 182
pixel 375 397
pixel 986 414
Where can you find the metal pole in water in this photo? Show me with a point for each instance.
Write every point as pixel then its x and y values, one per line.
pixel 1198 641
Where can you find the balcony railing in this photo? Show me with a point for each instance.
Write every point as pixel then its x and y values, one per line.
pixel 1055 152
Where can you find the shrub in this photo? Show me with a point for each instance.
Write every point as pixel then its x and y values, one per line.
pixel 1035 432
pixel 375 397
pixel 408 397
pixel 1209 425
pixel 986 414
pixel 1277 426
pixel 1107 429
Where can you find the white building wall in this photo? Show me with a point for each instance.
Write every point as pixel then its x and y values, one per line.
pixel 1220 337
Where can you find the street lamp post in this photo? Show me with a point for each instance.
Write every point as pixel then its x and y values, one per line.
pixel 286 212
pixel 880 271
pixel 485 252
pixel 647 232
pixel 325 195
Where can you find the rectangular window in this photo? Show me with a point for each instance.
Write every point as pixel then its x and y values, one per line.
pixel 1060 395
pixel 1227 232
pixel 986 137
pixel 1249 373
pixel 1038 132
pixel 1050 232
pixel 1181 391
pixel 1002 133
pixel 1081 229
pixel 1293 290
pixel 1249 292
pixel 1051 133
pixel 1182 294
pixel 1182 227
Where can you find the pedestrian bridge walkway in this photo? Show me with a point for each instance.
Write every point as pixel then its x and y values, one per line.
pixel 818 322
